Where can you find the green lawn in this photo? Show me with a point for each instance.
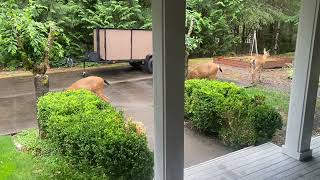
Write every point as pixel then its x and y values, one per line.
pixel 39 162
pixel 13 164
pixel 278 100
pixel 197 61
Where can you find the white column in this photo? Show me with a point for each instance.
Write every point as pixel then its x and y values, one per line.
pixel 168 82
pixel 305 83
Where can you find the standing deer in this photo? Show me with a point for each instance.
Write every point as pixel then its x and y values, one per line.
pixel 92 83
pixel 257 65
pixel 207 70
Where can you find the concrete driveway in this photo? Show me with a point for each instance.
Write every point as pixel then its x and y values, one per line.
pixel 17 100
pixel 131 92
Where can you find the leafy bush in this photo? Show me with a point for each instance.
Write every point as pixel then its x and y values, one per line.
pixel 222 88
pixel 45 162
pixel 204 110
pixel 265 121
pixel 90 132
pixel 24 40
pixel 225 110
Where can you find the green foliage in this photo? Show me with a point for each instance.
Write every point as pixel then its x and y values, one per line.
pixel 276 99
pixel 229 23
pixel 33 144
pixel 24 39
pixel 28 23
pixel 114 14
pixel 219 26
pixel 204 110
pixel 90 132
pixel 215 28
pixel 38 160
pixel 229 112
pixel 209 88
pixel 194 24
pixel 265 122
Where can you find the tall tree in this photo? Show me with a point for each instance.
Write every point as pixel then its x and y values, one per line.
pixel 31 42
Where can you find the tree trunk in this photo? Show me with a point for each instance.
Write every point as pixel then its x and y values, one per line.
pixel 236 34
pixel 48 48
pixel 186 65
pixel 244 37
pixel 276 39
pixel 41 84
pixel 186 59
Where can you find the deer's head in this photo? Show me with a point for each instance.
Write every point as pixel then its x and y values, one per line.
pixel 266 53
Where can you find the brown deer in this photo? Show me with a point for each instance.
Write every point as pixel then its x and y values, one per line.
pixel 205 71
pixel 92 83
pixel 257 65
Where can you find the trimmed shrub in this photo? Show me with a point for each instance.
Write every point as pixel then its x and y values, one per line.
pixel 67 104
pixel 221 88
pixel 91 132
pixel 237 129
pixel 265 121
pixel 204 110
pixel 226 110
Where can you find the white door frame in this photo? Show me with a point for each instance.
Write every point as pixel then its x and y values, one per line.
pixel 168 82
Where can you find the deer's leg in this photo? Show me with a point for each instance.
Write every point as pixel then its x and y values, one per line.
pixel 100 93
pixel 213 76
pixel 104 97
pixel 260 70
pixel 253 75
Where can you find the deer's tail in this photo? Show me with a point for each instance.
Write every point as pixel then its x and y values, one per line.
pixel 106 82
pixel 219 68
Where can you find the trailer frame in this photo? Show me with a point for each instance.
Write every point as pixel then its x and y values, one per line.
pixel 101 55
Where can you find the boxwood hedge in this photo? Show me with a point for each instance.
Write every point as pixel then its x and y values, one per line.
pixel 92 133
pixel 229 112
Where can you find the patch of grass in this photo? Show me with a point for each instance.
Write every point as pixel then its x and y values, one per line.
pixel 276 99
pixel 89 64
pixel 10 68
pixel 197 61
pixel 288 54
pixel 38 161
pixel 15 165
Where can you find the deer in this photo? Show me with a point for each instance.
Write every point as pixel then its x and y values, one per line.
pixel 257 65
pixel 205 71
pixel 92 83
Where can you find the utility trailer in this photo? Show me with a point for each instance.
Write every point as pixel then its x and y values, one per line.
pixel 133 46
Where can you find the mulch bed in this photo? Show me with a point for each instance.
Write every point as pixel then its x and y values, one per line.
pixel 243 62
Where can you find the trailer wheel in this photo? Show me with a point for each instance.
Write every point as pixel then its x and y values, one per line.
pixel 135 64
pixel 148 64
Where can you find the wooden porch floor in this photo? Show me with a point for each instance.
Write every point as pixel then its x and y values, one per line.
pixel 261 162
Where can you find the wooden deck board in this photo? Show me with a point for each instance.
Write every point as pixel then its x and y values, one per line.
pixel 222 167
pixel 262 162
pixel 207 166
